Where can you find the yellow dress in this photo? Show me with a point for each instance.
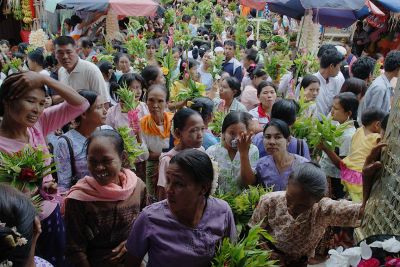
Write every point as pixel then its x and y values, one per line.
pixel 351 169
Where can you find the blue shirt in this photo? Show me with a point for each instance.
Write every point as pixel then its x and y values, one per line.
pixel 209 139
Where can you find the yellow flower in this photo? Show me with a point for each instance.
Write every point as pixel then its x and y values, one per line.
pixel 165 71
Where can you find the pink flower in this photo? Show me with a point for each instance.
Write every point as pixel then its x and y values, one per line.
pixel 133 117
pixel 186 75
pixel 369 263
pixel 392 262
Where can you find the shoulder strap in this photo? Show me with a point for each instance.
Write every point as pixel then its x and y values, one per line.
pixel 71 154
pixel 300 147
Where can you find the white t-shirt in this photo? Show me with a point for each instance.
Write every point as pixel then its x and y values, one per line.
pixel 328 90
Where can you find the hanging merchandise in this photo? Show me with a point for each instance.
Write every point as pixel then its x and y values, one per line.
pixel 310 34
pixel 112 27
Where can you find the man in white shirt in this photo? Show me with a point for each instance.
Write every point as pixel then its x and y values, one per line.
pixel 75 72
pixel 331 80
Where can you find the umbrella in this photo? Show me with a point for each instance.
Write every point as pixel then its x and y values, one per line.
pixel 392 5
pixel 120 7
pixel 325 13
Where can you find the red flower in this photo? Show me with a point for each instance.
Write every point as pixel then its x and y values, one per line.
pixel 392 262
pixel 27 175
pixel 94 59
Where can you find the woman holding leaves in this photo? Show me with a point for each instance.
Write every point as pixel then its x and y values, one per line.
pixel 344 111
pixel 310 85
pixel 26 122
pixel 235 155
pixel 70 152
pixel 100 209
pixel 155 133
pixel 297 218
pixel 186 228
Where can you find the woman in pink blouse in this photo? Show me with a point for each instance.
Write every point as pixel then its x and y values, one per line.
pixel 26 121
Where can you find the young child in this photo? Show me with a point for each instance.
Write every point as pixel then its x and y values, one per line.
pixel 344 110
pixel 188 128
pixel 100 209
pixel 363 141
pixel 235 155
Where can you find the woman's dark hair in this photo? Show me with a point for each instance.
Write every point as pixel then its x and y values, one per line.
pixel 16 210
pixel 355 86
pixel 371 115
pixel 286 110
pixel 252 55
pixel 309 79
pixel 22 47
pixel 128 78
pixel 235 117
pixel 110 134
pixel 150 73
pixel 349 102
pixel 181 117
pixel 198 164
pixel 151 42
pixel 90 96
pixel 75 19
pixel 159 87
pixel 234 84
pixel 280 125
pixel 264 84
pixel 184 66
pixel 312 179
pixel 37 57
pixel 118 56
pixel 50 61
pixel 6 87
pixel 256 71
pixel 203 105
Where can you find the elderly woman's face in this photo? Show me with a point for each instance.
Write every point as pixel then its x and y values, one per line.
pixel 183 194
pixel 274 141
pixel 27 109
pixel 298 200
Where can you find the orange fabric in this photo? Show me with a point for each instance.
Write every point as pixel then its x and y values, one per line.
pixel 245 11
pixel 149 126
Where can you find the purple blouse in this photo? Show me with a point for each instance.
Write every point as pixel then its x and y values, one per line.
pixel 157 232
pixel 268 174
pixel 292 148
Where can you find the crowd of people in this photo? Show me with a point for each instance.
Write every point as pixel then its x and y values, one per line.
pixel 98 211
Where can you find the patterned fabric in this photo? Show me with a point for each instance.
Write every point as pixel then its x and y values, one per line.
pixel 298 237
pixel 39 262
pixel 235 106
pixel 229 170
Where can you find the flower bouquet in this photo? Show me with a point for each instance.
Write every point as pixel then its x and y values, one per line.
pixel 38 39
pixel 216 65
pixel 279 43
pixel 102 57
pixel 216 125
pixel 139 63
pixel 131 145
pixel 305 64
pixel 246 252
pixel 25 170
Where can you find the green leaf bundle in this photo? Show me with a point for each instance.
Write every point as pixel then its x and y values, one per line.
pixel 169 16
pixel 305 64
pixel 217 25
pixel 216 125
pixel 136 47
pixel 131 145
pixel 127 98
pixel 246 252
pixel 276 65
pixel 193 91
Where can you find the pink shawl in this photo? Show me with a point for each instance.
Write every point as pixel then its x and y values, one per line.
pixel 88 189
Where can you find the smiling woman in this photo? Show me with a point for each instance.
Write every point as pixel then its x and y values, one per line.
pixel 26 121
